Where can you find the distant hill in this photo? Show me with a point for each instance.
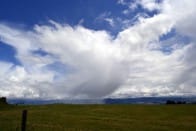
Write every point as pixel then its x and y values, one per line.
pixel 149 100
pixel 67 101
pixel 140 100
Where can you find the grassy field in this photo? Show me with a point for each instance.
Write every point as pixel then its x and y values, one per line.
pixel 60 117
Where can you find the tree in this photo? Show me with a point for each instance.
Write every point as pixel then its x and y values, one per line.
pixel 170 102
pixel 3 100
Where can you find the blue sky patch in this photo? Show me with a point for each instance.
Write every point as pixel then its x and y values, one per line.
pixel 7 53
pixel 40 52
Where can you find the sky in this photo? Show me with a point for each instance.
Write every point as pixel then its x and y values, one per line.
pixel 94 49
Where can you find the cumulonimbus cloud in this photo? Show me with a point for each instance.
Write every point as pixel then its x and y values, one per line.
pixel 59 61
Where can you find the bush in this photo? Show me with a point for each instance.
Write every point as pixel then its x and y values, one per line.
pixel 170 102
pixel 3 100
pixel 174 102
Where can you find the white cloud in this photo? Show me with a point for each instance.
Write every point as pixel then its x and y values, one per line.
pixel 150 4
pixel 183 12
pixel 106 17
pixel 110 21
pixel 96 64
pixel 122 2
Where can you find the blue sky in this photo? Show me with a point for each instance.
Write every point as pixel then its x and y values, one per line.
pixel 62 49
pixel 31 12
pixel 90 14
pixel 72 11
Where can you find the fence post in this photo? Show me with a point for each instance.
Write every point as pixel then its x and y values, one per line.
pixel 24 119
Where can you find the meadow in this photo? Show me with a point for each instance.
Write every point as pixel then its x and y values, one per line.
pixel 59 117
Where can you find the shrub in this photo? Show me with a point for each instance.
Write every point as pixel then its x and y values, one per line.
pixel 3 100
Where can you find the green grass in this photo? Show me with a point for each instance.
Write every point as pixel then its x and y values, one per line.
pixel 100 117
